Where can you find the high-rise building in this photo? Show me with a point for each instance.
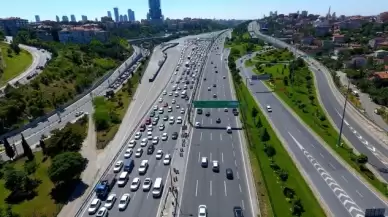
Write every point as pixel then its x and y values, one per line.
pixel 116 11
pixel 125 18
pixel 65 18
pixel 155 12
pixel 12 25
pixel 131 15
pixel 37 18
pixel 109 14
pixel 72 18
pixel 121 19
pixel 57 18
pixel 304 13
pixel 84 18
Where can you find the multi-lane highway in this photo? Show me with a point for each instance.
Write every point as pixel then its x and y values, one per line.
pixel 202 186
pixel 342 191
pixel 363 137
pixel 143 203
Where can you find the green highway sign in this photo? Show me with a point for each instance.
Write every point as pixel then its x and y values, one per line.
pixel 216 104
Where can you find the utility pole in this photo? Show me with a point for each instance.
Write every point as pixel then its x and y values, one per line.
pixel 343 115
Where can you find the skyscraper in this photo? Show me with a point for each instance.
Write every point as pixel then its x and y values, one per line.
pixel 37 18
pixel 131 15
pixel 84 18
pixel 121 19
pixel 57 18
pixel 65 18
pixel 125 18
pixel 109 14
pixel 116 11
pixel 72 18
pixel 155 12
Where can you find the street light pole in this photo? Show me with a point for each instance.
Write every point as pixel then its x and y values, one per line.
pixel 343 114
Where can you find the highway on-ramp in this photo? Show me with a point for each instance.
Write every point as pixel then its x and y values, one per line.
pixel 361 137
pixel 202 186
pixel 341 190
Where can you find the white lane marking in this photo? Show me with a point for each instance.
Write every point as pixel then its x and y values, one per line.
pixel 239 186
pixel 222 157
pixel 210 156
pixel 321 155
pixel 221 136
pixel 332 166
pixel 211 136
pixel 211 121
pixel 242 204
pixel 343 177
pixel 226 194
pixel 200 137
pixel 211 188
pixel 235 163
pixel 148 194
pixel 238 175
pixel 312 145
pixel 234 154
pixel 359 194
pixel 349 204
pixel 196 188
pixel 199 156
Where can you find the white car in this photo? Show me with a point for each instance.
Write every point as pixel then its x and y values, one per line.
pixel 149 135
pixel 171 120
pixel 167 159
pixel 147 183
pixel 179 120
pixel 160 99
pixel 150 129
pixel 202 211
pixel 128 153
pixel 155 108
pixel 110 201
pixel 179 88
pixel 164 92
pixel 169 109
pixel 177 106
pixel 118 165
pixel 208 88
pixel 173 101
pixel 144 142
pixel 102 212
pixel 94 205
pixel 135 184
pixel 229 129
pixel 164 137
pixel 182 110
pixel 170 93
pixel 138 135
pixel 132 143
pixel 155 140
pixel 161 127
pixel 269 109
pixel 143 167
pixel 225 109
pixel 161 110
pixel 197 124
pixel 159 154
pixel 139 152
pixel 124 200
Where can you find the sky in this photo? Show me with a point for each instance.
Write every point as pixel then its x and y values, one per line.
pixel 219 9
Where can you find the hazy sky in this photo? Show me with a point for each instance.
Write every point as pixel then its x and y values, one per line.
pixel 222 9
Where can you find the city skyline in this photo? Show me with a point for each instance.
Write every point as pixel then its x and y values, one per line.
pixel 226 9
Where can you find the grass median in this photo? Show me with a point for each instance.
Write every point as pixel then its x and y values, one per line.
pixel 110 112
pixel 281 188
pixel 294 84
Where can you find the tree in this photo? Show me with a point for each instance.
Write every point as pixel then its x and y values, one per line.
pixel 259 124
pixel 43 147
pixel 297 208
pixel 16 180
pixel 270 151
pixel 285 81
pixel 254 113
pixel 264 135
pixel 9 213
pixel 15 47
pixel 69 138
pixel 362 159
pixel 283 175
pixel 66 167
pixel 27 149
pixel 8 149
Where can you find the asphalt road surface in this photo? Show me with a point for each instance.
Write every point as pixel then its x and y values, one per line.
pixel 202 185
pixel 143 203
pixel 343 192
pixel 33 135
pixel 356 134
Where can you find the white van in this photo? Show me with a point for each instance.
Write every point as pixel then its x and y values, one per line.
pixel 123 178
pixel 158 188
pixel 183 94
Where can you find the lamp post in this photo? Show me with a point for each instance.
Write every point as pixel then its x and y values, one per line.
pixel 343 114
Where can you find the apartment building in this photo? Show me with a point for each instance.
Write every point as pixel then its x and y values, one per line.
pixel 82 34
pixel 12 25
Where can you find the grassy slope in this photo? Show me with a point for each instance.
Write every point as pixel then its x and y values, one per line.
pixel 15 65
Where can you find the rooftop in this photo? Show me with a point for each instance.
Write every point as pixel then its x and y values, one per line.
pixel 381 75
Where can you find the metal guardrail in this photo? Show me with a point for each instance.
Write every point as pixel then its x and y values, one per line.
pixel 91 193
pixel 36 121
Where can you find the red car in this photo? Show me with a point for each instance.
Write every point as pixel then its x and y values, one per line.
pixel 165 104
pixel 148 121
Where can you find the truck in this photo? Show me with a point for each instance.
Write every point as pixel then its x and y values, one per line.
pixel 105 186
